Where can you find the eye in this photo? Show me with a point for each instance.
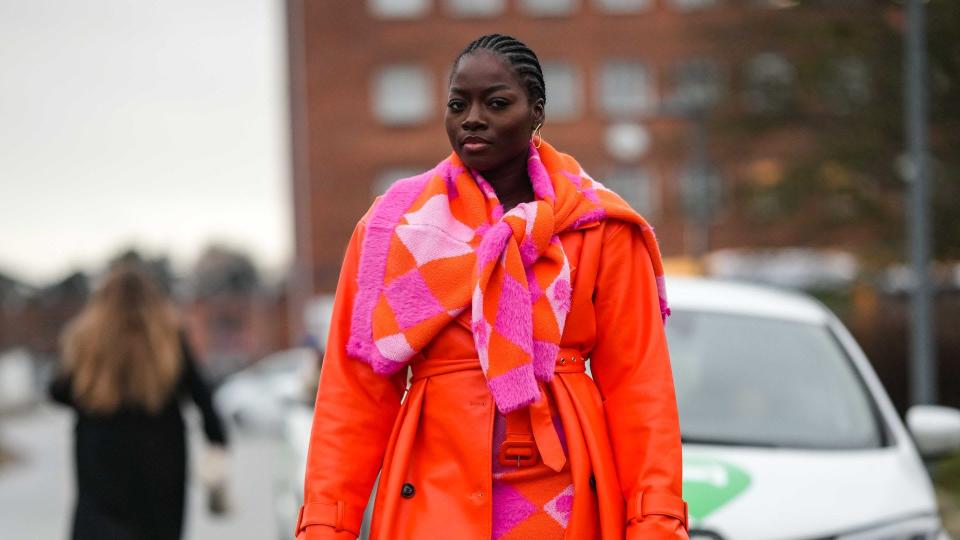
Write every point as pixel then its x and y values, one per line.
pixel 498 103
pixel 456 105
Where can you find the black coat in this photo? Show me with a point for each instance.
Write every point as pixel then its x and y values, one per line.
pixel 131 465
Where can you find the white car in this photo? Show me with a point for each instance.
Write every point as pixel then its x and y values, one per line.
pixel 788 433
pixel 257 398
pixel 288 484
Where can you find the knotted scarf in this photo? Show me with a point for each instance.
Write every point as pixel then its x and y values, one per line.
pixel 440 242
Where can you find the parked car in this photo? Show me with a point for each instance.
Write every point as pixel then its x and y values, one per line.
pixel 258 398
pixel 288 485
pixel 787 432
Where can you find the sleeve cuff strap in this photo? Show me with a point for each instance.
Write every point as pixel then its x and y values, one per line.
pixel 339 515
pixel 646 503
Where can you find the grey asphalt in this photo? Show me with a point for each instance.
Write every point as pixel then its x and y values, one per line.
pixel 36 490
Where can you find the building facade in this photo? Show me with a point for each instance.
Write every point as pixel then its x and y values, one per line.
pixel 633 90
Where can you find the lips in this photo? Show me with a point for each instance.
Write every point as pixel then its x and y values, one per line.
pixel 473 143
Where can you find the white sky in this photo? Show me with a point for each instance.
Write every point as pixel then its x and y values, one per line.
pixel 161 125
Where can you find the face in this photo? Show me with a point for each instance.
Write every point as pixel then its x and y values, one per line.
pixel 489 119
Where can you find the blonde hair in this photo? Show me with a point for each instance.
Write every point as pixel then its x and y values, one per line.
pixel 124 347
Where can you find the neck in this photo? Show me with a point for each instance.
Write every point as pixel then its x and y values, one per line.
pixel 511 182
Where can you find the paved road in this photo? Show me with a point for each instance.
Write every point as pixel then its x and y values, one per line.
pixel 36 492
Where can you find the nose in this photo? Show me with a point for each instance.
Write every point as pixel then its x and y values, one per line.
pixel 473 121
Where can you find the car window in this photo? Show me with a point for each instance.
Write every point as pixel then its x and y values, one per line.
pixel 766 382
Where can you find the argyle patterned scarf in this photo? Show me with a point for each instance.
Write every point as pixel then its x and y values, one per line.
pixel 439 243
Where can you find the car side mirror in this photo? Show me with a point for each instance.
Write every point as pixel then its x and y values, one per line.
pixel 935 429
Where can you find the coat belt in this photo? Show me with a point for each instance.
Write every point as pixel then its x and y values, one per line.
pixel 568 361
pixel 527 428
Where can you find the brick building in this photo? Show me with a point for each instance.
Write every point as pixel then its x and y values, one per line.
pixel 633 87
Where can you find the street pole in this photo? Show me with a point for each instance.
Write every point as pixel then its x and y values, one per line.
pixel 923 367
pixel 693 106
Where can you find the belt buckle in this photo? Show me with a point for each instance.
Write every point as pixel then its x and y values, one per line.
pixel 519 453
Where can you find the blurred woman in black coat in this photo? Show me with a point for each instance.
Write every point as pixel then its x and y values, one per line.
pixel 126 367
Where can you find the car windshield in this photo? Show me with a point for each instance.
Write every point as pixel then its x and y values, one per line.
pixel 764 382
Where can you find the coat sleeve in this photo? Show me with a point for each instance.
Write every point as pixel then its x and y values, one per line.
pixel 199 390
pixel 631 367
pixel 353 417
pixel 61 389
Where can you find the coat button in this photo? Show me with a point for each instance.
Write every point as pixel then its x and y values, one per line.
pixel 407 491
pixel 593 483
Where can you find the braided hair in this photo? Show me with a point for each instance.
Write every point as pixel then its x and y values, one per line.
pixel 520 57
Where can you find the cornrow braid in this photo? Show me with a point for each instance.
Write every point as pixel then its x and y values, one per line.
pixel 520 57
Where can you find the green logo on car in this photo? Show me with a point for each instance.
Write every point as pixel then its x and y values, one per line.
pixel 709 484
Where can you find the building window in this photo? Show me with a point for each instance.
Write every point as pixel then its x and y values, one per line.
pixel 626 89
pixel 635 185
pixel 847 86
pixel 563 90
pixel 769 83
pixel 549 8
pixel 388 176
pixel 701 189
pixel 475 8
pixel 692 5
pixel 697 84
pixel 402 94
pixel 624 6
pixel 398 9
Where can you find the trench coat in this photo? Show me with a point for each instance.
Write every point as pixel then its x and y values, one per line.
pixel 431 431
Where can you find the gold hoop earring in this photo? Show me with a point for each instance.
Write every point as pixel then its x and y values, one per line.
pixel 537 137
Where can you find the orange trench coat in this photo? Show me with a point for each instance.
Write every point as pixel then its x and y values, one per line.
pixel 622 427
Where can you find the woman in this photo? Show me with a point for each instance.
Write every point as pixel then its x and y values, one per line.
pixel 126 366
pixel 494 277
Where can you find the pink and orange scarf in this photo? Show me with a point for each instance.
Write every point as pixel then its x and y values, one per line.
pixel 439 243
